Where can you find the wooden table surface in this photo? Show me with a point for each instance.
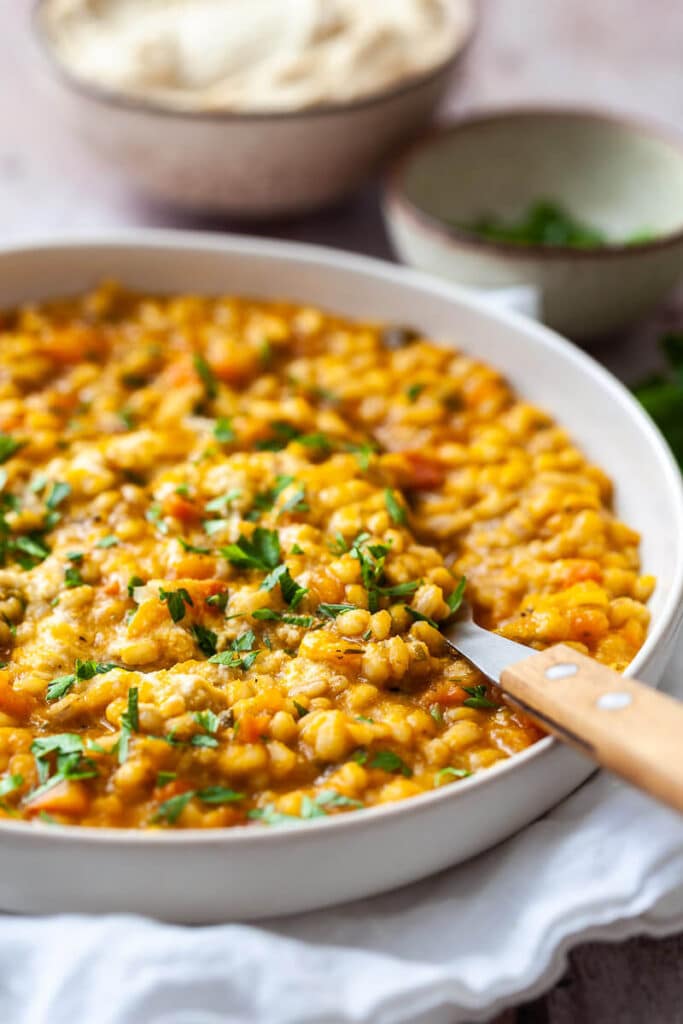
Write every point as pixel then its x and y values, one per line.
pixel 620 54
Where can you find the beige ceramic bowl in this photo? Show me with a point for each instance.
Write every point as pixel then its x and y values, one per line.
pixel 622 177
pixel 247 165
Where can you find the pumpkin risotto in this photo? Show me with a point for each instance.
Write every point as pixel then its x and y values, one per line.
pixel 230 533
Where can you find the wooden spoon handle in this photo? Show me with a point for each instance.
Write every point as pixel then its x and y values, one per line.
pixel 625 725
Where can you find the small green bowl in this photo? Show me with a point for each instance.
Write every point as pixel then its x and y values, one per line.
pixel 622 177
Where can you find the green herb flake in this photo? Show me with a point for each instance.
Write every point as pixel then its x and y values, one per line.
pixel 241 654
pixel 219 601
pixel 455 599
pixel 133 583
pixel 72 578
pixel 107 542
pixel 9 446
pixel 419 617
pixel 58 494
pixel 413 392
pixel 205 639
pixel 153 515
pixel 450 773
pixel 170 810
pixel 394 508
pixel 261 552
pixel 219 795
pixel 176 601
pixel 194 548
pixel 223 431
pixel 331 611
pixel 388 761
pixel 206 376
pixel 221 503
pixel 478 697
pixel 59 687
pixel 300 709
pixel 164 777
pixel 208 720
pixel 8 783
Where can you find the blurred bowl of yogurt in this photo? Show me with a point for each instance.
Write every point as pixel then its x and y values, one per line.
pixel 251 108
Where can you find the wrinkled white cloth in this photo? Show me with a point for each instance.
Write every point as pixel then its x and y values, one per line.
pixel 606 863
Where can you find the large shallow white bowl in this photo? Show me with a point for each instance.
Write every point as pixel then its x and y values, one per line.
pixel 247 872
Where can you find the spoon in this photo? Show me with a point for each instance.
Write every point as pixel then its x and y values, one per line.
pixel 624 725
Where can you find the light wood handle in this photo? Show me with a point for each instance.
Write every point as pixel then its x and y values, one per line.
pixel 625 725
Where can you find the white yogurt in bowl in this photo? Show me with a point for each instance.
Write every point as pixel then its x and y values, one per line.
pixel 253 55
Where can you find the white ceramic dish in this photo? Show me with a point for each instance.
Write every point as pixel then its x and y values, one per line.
pixel 619 175
pixel 250 872
pixel 241 164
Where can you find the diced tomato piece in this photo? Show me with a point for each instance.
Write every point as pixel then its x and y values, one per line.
pixel 66 797
pixel 424 472
pixel 181 508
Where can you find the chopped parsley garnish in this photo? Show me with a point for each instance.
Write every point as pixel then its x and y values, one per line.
pixel 8 783
pixel 338 546
pixel 194 548
pixel 283 433
pixel 153 515
pixel 360 756
pixel 261 552
pixel 206 376
pixel 212 526
pixel 545 222
pixel 75 556
pixel 300 709
pixel 205 639
pixel 296 550
pixel 454 773
pixel 478 697
pixel 69 763
pixel 223 431
pixel 372 558
pixel 59 492
pixel 264 500
pixel 331 611
pixel 363 453
pixel 414 391
pixel 176 601
pixel 292 593
pixel 30 550
pixel 221 503
pixel 419 617
pixel 436 712
pixel 297 502
pixel 219 600
pixel 208 720
pixel 311 807
pixel 9 446
pixel 164 777
pixel 170 810
pixel 241 653
pixel 133 583
pixel 394 508
pixel 268 615
pixel 455 599
pixel 107 542
pixel 388 761
pixel 219 795
pixel 82 670
pixel 130 723
pixel 72 577
pixel 127 418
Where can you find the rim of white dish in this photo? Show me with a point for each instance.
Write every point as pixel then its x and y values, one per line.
pixel 138 104
pixel 397 196
pixel 668 621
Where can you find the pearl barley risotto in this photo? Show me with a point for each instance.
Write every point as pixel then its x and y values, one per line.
pixel 231 531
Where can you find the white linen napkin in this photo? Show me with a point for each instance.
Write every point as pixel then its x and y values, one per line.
pixel 606 863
